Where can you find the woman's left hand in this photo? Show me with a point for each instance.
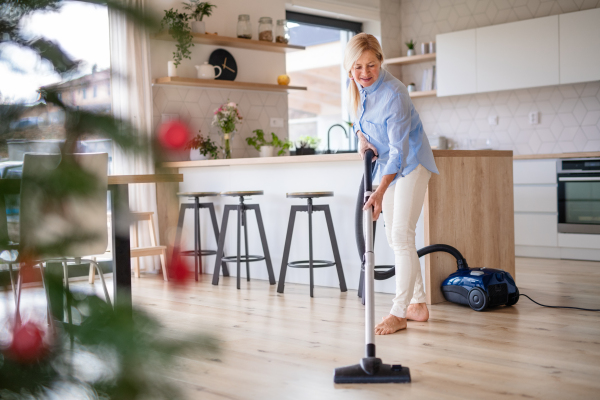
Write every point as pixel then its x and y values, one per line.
pixel 375 201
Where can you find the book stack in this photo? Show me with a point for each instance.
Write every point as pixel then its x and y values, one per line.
pixel 429 81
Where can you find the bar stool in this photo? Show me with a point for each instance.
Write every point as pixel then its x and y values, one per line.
pixel 241 209
pixel 197 252
pixel 310 263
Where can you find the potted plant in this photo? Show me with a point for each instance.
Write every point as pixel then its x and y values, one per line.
pixel 202 148
pixel 198 10
pixel 266 148
pixel 226 118
pixel 306 145
pixel 178 27
pixel 411 48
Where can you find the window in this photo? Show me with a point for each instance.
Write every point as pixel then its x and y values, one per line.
pixel 318 110
pixel 82 32
pixel 95 91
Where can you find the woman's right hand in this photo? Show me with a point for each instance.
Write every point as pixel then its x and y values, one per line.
pixel 364 145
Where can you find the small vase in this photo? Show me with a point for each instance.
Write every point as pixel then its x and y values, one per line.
pixel 227 137
pixel 266 151
pixel 198 27
pixel 195 155
pixel 172 69
pixel 410 52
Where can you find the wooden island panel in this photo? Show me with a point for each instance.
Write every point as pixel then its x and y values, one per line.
pixel 469 205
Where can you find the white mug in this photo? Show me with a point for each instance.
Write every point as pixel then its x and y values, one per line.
pixel 207 71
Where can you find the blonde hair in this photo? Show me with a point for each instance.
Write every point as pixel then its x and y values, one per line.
pixel 354 49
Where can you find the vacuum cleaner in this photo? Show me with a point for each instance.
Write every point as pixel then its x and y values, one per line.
pixel 370 369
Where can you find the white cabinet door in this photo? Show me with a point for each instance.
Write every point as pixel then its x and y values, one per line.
pixel 534 172
pixel 536 230
pixel 518 55
pixel 536 199
pixel 456 63
pixel 580 46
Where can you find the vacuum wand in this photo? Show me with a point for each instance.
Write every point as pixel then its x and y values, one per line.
pixel 370 369
pixel 369 261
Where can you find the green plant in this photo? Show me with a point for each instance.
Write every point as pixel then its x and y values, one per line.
pixel 410 44
pixel 308 142
pixel 177 24
pixel 199 9
pixel 259 141
pixel 205 145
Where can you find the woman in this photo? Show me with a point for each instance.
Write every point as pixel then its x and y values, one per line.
pixel 386 121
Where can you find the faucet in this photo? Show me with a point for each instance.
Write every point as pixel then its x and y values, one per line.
pixel 330 128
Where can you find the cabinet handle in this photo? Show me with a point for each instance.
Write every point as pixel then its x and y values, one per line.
pixel 580 178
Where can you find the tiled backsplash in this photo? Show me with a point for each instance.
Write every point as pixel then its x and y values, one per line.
pixel 196 106
pixel 569 114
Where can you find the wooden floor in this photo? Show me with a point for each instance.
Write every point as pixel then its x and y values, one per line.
pixel 285 346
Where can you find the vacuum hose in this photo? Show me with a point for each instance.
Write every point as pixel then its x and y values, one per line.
pixel 360 236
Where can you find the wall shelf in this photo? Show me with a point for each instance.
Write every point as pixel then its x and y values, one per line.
pixel 411 60
pixel 423 93
pixel 219 84
pixel 249 44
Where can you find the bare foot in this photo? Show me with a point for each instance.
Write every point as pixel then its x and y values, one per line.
pixel 417 312
pixel 390 324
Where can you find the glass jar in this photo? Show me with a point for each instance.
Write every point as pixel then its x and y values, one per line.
pixel 244 29
pixel 265 29
pixel 282 32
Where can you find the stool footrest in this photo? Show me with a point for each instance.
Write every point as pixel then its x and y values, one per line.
pixel 194 252
pixel 243 258
pixel 306 264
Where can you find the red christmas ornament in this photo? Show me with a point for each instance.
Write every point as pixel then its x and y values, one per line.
pixel 180 273
pixel 27 345
pixel 173 135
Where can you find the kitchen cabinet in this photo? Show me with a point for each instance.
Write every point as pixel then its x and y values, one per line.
pixel 456 63
pixel 580 46
pixel 536 229
pixel 534 172
pixel 535 198
pixel 518 55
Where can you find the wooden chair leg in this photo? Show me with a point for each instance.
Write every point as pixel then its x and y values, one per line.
pixel 135 243
pixel 92 274
pixel 163 258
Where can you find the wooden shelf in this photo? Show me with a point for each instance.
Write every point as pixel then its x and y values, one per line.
pixel 411 60
pixel 214 83
pixel 227 41
pixel 426 93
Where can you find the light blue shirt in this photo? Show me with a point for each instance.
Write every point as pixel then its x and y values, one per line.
pixel 389 121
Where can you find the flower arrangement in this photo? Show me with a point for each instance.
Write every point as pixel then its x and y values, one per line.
pixel 206 146
pixel 226 118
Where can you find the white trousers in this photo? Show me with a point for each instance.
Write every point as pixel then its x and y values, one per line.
pixel 402 204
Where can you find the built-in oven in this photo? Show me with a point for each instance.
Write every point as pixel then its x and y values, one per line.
pixel 579 195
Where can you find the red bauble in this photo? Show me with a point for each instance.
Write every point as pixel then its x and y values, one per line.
pixel 27 344
pixel 174 135
pixel 180 273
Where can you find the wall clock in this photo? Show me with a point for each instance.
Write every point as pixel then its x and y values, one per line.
pixel 225 60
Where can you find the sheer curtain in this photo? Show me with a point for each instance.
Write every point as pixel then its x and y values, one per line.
pixel 132 100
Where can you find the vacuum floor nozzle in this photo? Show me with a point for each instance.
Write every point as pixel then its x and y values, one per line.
pixel 386 373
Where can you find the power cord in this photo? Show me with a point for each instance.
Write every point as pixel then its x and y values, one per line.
pixel 543 305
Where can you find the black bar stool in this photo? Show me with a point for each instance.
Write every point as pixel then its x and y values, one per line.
pixel 310 263
pixel 197 252
pixel 241 209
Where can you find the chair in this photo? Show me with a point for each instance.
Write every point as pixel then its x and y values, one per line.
pixel 136 251
pixel 73 228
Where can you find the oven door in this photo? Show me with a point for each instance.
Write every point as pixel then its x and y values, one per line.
pixel 579 203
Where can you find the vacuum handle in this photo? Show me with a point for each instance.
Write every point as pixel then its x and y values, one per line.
pixel 368 175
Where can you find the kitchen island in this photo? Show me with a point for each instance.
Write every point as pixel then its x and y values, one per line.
pixel 468 206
